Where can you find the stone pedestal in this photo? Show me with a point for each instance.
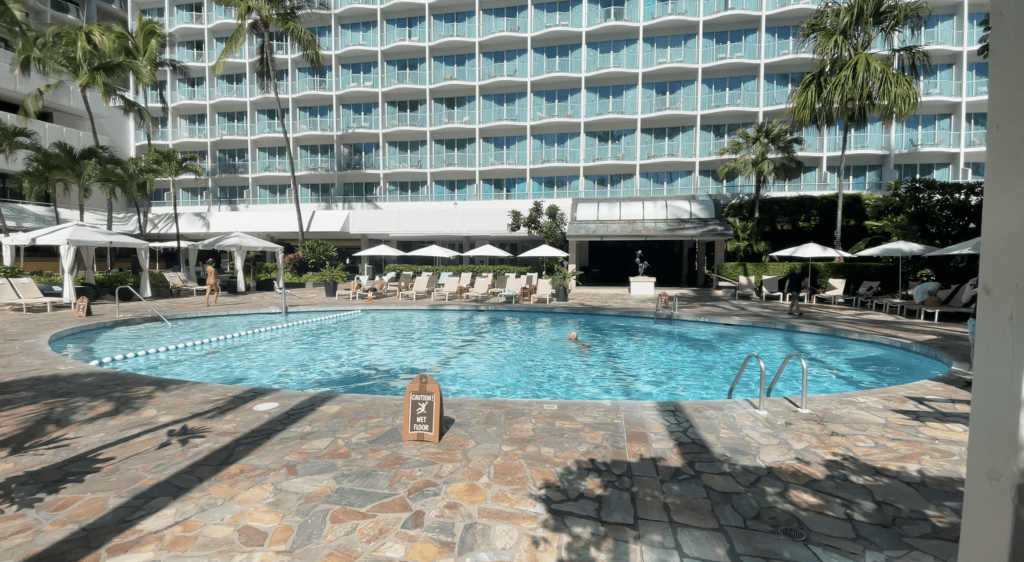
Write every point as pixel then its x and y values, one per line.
pixel 641 286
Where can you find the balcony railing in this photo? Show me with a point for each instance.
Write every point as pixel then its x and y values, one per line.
pixel 405 35
pixel 860 141
pixel 776 4
pixel 712 7
pixel 459 160
pixel 454 117
pixel 407 120
pixel 232 130
pixel 684 150
pixel 507 70
pixel 359 123
pixel 677 55
pixel 550 20
pixel 454 31
pixel 776 97
pixel 976 139
pixel 676 102
pixel 921 140
pixel 729 99
pixel 356 163
pixel 502 25
pixel 549 66
pixel 504 115
pixel 66 8
pixel 230 91
pixel 157 135
pixel 458 74
pixel 508 158
pixel 356 40
pixel 119 4
pixel 190 94
pixel 224 13
pixel 322 125
pixel 271 167
pixel 317 165
pixel 977 88
pixel 233 168
pixel 612 14
pixel 730 51
pixel 185 133
pixel 359 81
pixel 614 154
pixel 185 18
pixel 945 88
pixel 415 78
pixel 319 5
pixel 557 156
pixel 266 128
pixel 191 56
pixel 256 90
pixel 407 162
pixel 317 84
pixel 559 111
pixel 607 107
pixel 611 60
pixel 342 3
pixel 672 8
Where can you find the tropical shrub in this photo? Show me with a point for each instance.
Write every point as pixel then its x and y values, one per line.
pixel 11 271
pixel 317 253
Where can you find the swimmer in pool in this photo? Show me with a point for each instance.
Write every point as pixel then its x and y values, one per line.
pixel 574 338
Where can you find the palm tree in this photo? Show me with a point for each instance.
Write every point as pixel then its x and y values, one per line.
pixel 134 177
pixel 861 69
pixel 766 151
pixel 85 57
pixel 147 44
pixel 72 167
pixel 171 165
pixel 263 19
pixel 14 139
pixel 36 182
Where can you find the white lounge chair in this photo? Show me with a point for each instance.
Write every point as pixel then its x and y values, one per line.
pixel 512 288
pixel 499 284
pixel 419 287
pixel 9 296
pixel 186 283
pixel 450 289
pixel 480 288
pixel 770 287
pixel 959 302
pixel 746 286
pixel 864 294
pixel 349 289
pixel 544 291
pixel 833 292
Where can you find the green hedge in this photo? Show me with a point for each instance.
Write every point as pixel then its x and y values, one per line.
pixel 854 273
pixel 497 270
pixel 11 271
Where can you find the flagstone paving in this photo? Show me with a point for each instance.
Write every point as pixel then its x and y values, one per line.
pixel 100 465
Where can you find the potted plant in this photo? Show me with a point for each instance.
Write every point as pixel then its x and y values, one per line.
pixel 332 277
pixel 560 279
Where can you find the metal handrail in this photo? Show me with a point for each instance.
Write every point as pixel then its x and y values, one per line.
pixel 760 402
pixel 117 303
pixel 803 392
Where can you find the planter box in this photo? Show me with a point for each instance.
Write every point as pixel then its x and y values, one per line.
pixel 641 286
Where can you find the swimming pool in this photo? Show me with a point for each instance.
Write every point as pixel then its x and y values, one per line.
pixel 497 354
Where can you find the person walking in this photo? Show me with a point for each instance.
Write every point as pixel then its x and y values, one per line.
pixel 212 285
pixel 794 285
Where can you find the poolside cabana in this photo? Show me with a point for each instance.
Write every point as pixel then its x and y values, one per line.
pixel 191 253
pixel 239 244
pixel 76 236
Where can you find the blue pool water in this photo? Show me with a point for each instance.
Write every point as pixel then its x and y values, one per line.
pixel 499 354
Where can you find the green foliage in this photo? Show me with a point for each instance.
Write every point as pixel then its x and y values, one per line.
pixel 458 269
pixel 336 274
pixel 746 243
pixel 11 271
pixel 317 253
pixel 854 273
pixel 766 152
pixel 261 270
pixel 548 222
pixel 561 277
pixel 296 264
pixel 791 221
pixel 986 26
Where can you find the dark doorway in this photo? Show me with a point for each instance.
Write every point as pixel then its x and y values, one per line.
pixel 613 263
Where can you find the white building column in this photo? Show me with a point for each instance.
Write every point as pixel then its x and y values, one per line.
pixel 364 244
pixel 993 518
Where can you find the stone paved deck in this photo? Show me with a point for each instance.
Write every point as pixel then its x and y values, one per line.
pixel 100 465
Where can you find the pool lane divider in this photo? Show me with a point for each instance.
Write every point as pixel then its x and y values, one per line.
pixel 204 341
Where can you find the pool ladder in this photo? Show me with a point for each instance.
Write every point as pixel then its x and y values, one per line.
pixel 667 315
pixel 767 393
pixel 117 302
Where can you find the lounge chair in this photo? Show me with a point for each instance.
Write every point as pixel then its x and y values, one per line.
pixel 531 280
pixel 444 277
pixel 958 303
pixel 186 283
pixel 867 288
pixel 833 292
pixel 544 291
pixel 481 288
pixel 403 281
pixel 465 279
pixel 450 289
pixel 512 288
pixel 349 289
pixel 770 287
pixel 499 284
pixel 746 286
pixel 9 296
pixel 419 287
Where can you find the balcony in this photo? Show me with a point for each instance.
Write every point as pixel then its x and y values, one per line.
pixel 454 117
pixel 359 81
pixel 230 91
pixel 191 56
pixel 509 158
pixel 407 120
pixel 551 66
pixel 150 97
pixel 266 128
pixel 613 14
pixel 913 140
pixel 669 103
pixel 977 88
pixel 712 7
pixel 224 13
pixel 406 162
pixel 505 115
pixel 184 18
pixel 317 165
pixel 859 141
pixel 609 107
pixel 256 90
pixel 232 130
pixel 157 135
pixel 672 8
pixel 554 20
pixel 730 51
pixel 66 8
pixel 405 35
pixel 342 3
pixel 233 168
pixel 508 70
pixel 276 166
pixel 454 31
pixel 611 60
pixel 729 99
pixel 321 125
pixel 317 84
pixel 359 123
pixel 776 4
pixel 678 55
pixel 316 5
pixel 560 111
pixel 458 74
pixel 614 154
pixel 940 89
pixel 455 160
pixel 119 4
pixel 557 156
pixel 976 139
pixel 492 26
pixel 190 94
pixel 414 78
pixel 662 152
pixel 357 163
pixel 191 133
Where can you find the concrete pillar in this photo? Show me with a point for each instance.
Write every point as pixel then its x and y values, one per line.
pixel 702 263
pixel 364 244
pixel 993 518
pixel 465 248
pixel 574 253
pixel 719 252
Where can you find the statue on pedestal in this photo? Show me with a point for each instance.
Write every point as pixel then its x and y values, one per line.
pixel 640 263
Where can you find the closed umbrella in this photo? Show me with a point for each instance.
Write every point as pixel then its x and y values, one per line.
pixel 898 249
pixel 811 251
pixel 487 251
pixel 969 247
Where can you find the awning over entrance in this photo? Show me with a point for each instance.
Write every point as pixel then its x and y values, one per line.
pixel 696 218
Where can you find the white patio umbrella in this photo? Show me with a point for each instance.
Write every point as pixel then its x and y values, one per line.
pixel 969 247
pixel 434 251
pixel 811 251
pixel 71 237
pixel 192 252
pixel 239 243
pixel 544 251
pixel 379 251
pixel 487 251
pixel 898 249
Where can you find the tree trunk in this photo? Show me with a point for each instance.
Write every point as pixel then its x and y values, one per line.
pixel 3 222
pixel 284 130
pixel 138 214
pixel 81 210
pixel 56 214
pixel 757 199
pixel 842 182
pixel 96 141
pixel 177 232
